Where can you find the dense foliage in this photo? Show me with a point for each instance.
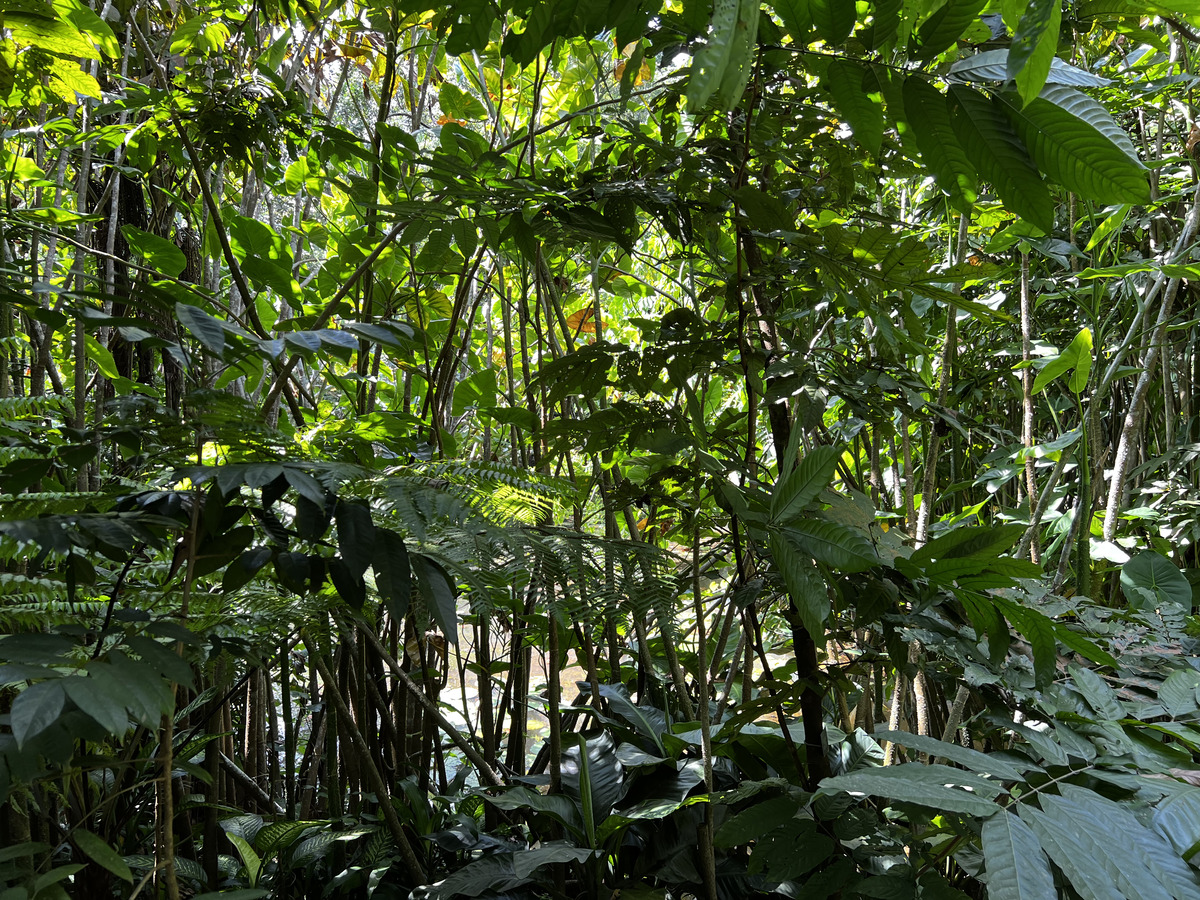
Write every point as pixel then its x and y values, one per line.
pixel 555 448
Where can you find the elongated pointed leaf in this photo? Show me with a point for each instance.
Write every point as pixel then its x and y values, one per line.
pixel 937 787
pixel 1039 631
pixel 1147 846
pixel 1077 357
pixel 1033 47
pixel 842 548
pixel 1074 152
pixel 992 66
pixel 1062 844
pixel 802 485
pixel 207 329
pixel 944 27
pixel 440 592
pixel 982 763
pixel 862 108
pixel 928 116
pixel 35 709
pixel 993 147
pixel 805 586
pixel 356 534
pixel 796 17
pixel 1108 844
pixel 1016 866
pixel 98 850
pixel 711 60
pixel 834 19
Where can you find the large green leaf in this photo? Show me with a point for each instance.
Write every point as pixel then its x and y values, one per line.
pixel 35 709
pixel 834 19
pixel 804 583
pixel 1073 151
pixel 861 106
pixel 945 26
pixel 928 115
pixel 1147 847
pixel 1077 359
pixel 982 763
pixel 999 156
pixel 992 66
pixel 843 548
pixel 1061 841
pixel 983 542
pixel 158 252
pixel 1016 866
pixel 936 786
pixel 1033 47
pixel 799 487
pixel 711 60
pixel 1151 581
pixel 796 16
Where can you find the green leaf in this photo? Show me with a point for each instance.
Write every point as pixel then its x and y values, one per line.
pixel 972 541
pixel 755 821
pixel 393 572
pixel 35 709
pixel 208 329
pixel 101 356
pixel 854 98
pixel 1038 629
pixel 1177 693
pixel 439 592
pixel 1077 357
pixel 99 852
pixel 159 253
pixel 1062 843
pixel 1073 151
pixel 356 534
pixel 805 586
pixel 982 763
pixel 947 24
pixel 103 702
pixel 458 104
pixel 1034 45
pixel 928 114
pixel 1016 866
pixel 250 859
pixel 741 56
pixel 999 156
pixel 803 483
pixel 711 60
pixel 796 17
pixel 1151 581
pixel 1146 847
pixel 834 19
pixel 937 787
pixel 843 548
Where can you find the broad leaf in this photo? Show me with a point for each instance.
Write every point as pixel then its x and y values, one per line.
pixel 944 27
pixel 999 156
pixel 929 118
pixel 805 586
pixel 1033 47
pixel 803 483
pixel 992 66
pixel 834 19
pixel 982 763
pixel 98 850
pixel 862 108
pixel 842 548
pixel 159 253
pixel 1016 866
pixel 712 59
pixel 1073 151
pixel 937 787
pixel 35 709
pixel 1151 581
pixel 1062 843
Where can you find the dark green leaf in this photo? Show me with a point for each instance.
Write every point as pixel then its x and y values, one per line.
pixel 158 252
pixel 987 136
pixel 805 586
pixel 937 787
pixel 35 709
pixel 439 592
pixel 393 572
pixel 1034 45
pixel 845 549
pixel 208 330
pixel 1073 151
pixel 800 485
pixel 834 19
pixel 98 850
pixel 944 27
pixel 356 534
pixel 1016 866
pixel 928 115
